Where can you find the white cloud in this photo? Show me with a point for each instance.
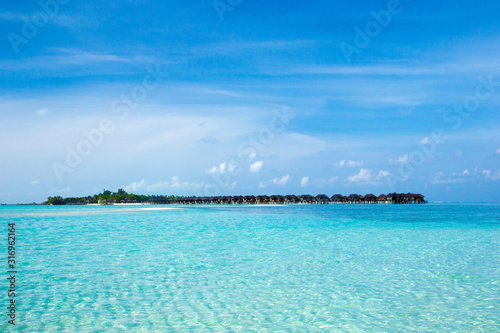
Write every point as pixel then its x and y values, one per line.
pixel 400 160
pixel 176 183
pixel 35 182
pixel 363 175
pixel 304 181
pixel 487 174
pixel 222 168
pixel 255 167
pixel 158 186
pixel 325 181
pixel 498 151
pixel 382 174
pixel 135 186
pixel 465 172
pixel 42 112
pixel 425 140
pixel 213 170
pixel 63 190
pixel 252 155
pixel 350 163
pixel 261 185
pixel 439 180
pixel 459 153
pixel 281 181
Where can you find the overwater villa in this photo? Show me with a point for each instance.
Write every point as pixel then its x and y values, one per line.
pixel 291 199
pixel 391 198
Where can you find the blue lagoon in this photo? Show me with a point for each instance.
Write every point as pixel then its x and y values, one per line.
pixel 315 268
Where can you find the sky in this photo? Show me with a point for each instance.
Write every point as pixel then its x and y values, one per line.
pixel 248 97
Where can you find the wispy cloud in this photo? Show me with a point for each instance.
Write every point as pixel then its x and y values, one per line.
pixel 62 58
pixel 255 167
pixel 281 181
pixel 41 112
pixel 222 168
pixel 363 175
pixel 400 160
pixel 382 174
pixel 143 186
pixel 60 19
pixel 367 177
pixel 13 17
pixel 304 181
pixel 161 185
pixel 135 186
pixel 488 175
pixel 235 48
pixel 454 179
pixel 459 66
pixel 350 164
pixel 60 191
pixel 325 181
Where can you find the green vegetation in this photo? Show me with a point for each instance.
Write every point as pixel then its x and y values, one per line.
pixel 120 196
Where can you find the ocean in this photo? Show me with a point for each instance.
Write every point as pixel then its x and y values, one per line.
pixel 297 268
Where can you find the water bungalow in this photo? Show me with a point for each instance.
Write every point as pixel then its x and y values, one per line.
pixel 391 198
pixel 249 199
pixel 291 199
pixel 370 199
pixel 306 198
pixel 353 199
pixel 322 199
pixel 337 198
pixel 262 199
pixel 276 199
pixel 237 200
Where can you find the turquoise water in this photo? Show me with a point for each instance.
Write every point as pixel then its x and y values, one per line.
pixel 324 268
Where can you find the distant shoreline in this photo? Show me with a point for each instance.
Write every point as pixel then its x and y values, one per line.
pixel 123 198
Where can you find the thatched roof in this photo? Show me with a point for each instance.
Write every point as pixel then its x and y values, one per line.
pixel 306 197
pixel 337 197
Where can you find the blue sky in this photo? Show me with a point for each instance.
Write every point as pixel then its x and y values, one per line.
pixel 209 98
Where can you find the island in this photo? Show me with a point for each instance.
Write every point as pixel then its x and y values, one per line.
pixel 122 197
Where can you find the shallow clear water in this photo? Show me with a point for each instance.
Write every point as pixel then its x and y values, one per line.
pixel 377 268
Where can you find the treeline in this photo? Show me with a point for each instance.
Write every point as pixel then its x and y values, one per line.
pixel 108 197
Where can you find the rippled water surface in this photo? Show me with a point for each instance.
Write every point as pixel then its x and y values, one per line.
pixel 324 268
